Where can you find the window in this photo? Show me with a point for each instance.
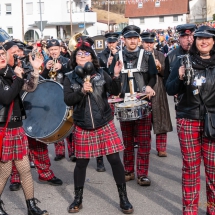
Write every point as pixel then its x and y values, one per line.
pixel 175 18
pixel 29 8
pixel 157 4
pixel 8 9
pixel 0 9
pixel 42 7
pixel 10 30
pixel 142 20
pixel 161 19
pixel 140 4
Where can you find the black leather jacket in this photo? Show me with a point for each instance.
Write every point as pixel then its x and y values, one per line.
pixel 10 87
pixel 170 61
pixel 91 110
pixel 189 105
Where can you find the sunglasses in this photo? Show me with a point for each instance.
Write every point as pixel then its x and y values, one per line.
pixel 80 54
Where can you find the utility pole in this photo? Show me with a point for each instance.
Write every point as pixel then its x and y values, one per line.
pixel 71 17
pixel 108 17
pixel 23 37
pixel 41 25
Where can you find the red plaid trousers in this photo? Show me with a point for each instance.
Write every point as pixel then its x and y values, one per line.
pixel 142 128
pixel 195 146
pixel 161 140
pixel 39 155
pixel 60 147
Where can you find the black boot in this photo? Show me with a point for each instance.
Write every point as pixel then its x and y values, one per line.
pixel 77 203
pixel 100 164
pixel 125 205
pixel 33 209
pixel 2 211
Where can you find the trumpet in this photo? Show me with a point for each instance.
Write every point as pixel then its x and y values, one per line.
pixel 53 73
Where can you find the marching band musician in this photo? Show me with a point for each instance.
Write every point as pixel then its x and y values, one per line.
pixel 94 133
pixel 194 83
pixel 185 32
pixel 59 65
pixel 160 108
pixel 14 143
pixel 38 152
pixel 106 56
pixel 144 81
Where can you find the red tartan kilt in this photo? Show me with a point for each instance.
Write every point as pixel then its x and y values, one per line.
pixel 98 142
pixel 15 144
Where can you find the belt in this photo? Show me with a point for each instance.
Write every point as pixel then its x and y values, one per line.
pixel 16 118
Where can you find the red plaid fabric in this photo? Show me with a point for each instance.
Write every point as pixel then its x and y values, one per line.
pixel 161 140
pixel 15 144
pixel 39 155
pixel 98 142
pixel 60 148
pixel 142 128
pixel 194 146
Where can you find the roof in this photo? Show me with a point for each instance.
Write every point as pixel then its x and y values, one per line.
pixel 168 7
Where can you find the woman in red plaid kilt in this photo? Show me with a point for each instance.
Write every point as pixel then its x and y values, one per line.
pixel 196 95
pixel 14 143
pixel 95 133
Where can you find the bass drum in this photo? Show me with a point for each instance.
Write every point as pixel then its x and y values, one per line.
pixel 49 120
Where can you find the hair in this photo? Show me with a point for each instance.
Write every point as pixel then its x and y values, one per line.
pixel 64 47
pixel 193 49
pixel 87 49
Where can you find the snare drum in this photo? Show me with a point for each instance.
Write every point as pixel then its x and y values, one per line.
pixel 132 110
pixel 49 120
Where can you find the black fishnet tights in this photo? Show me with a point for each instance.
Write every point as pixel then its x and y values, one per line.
pixel 24 170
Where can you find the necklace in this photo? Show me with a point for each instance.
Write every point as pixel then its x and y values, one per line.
pixel 205 55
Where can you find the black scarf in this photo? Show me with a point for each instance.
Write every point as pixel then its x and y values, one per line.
pixel 202 64
pixel 131 55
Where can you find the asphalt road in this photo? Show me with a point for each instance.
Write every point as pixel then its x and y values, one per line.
pixel 163 197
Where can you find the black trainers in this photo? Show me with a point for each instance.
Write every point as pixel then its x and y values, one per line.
pixel 100 165
pixel 54 181
pixel 143 181
pixel 59 157
pixel 15 186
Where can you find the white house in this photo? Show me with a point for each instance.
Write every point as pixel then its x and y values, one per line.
pixel 20 17
pixel 157 14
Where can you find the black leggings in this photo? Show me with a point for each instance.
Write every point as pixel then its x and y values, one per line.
pixel 113 159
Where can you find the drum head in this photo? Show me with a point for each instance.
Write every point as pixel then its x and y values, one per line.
pixel 129 104
pixel 45 109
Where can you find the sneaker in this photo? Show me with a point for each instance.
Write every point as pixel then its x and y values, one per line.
pixel 143 181
pixel 129 176
pixel 59 157
pixel 32 164
pixel 162 154
pixel 100 165
pixel 15 186
pixel 54 181
pixel 73 158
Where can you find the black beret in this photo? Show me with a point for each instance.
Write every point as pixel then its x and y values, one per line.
pixel 53 42
pixel 148 37
pixel 131 31
pixel 86 39
pixel 9 44
pixel 185 29
pixel 111 37
pixel 205 31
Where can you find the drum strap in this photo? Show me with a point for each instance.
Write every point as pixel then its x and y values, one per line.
pixel 140 58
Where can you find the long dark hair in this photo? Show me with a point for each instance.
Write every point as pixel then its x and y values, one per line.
pixel 194 51
pixel 87 49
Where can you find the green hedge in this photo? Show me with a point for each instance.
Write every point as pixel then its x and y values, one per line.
pixel 213 16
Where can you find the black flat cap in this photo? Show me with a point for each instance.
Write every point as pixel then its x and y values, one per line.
pixel 186 29
pixel 9 45
pixel 148 37
pixel 85 39
pixel 205 31
pixel 52 42
pixel 131 31
pixel 111 37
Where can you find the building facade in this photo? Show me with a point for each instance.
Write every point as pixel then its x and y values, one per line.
pixel 22 17
pixel 157 14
